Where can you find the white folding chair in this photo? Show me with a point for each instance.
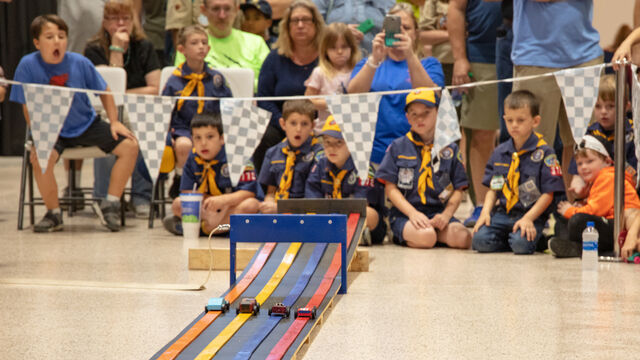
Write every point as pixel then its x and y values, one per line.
pixel 240 81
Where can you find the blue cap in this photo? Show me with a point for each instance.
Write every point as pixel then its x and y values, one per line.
pixel 590 224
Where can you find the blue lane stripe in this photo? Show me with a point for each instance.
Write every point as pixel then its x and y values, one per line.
pixel 259 336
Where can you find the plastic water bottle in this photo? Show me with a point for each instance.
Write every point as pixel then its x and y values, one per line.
pixel 590 247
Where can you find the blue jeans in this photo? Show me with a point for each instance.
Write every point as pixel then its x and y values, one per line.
pixel 499 236
pixel 140 179
pixel 504 70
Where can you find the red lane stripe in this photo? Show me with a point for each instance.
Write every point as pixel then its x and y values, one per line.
pixel 185 340
pixel 296 327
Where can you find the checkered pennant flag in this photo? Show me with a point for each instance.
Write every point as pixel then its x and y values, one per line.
pixel 579 89
pixel 150 117
pixel 357 115
pixel 636 113
pixel 48 107
pixel 447 128
pixel 244 124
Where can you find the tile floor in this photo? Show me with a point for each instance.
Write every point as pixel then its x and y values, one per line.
pixel 440 303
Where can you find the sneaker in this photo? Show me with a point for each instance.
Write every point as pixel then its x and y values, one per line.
pixel 142 211
pixel 471 220
pixel 174 190
pixel 173 224
pixel 366 237
pixel 49 223
pixel 110 211
pixel 564 249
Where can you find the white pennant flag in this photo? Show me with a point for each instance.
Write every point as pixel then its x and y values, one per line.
pixel 579 88
pixel 48 107
pixel 357 115
pixel 447 127
pixel 636 113
pixel 150 117
pixel 244 124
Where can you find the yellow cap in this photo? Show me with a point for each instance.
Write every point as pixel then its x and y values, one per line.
pixel 422 95
pixel 331 128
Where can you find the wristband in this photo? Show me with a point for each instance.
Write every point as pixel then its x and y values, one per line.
pixel 116 49
pixel 372 64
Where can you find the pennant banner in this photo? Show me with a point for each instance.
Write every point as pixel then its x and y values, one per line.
pixel 357 115
pixel 48 107
pixel 150 117
pixel 579 88
pixel 447 126
pixel 244 124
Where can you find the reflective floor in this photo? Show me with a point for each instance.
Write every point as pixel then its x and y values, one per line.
pixel 412 304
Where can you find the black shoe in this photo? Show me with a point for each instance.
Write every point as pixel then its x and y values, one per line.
pixel 173 224
pixel 110 214
pixel 564 248
pixel 49 223
pixel 174 190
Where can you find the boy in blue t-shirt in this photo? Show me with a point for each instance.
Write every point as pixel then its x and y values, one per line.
pixel 425 192
pixel 206 170
pixel 53 65
pixel 286 165
pixel 334 177
pixel 523 174
pixel 194 77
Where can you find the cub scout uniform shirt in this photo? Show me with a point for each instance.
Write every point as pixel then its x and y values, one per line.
pixel 327 181
pixel 402 165
pixel 289 178
pixel 523 177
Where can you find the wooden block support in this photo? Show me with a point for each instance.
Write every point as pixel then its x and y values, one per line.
pixel 199 259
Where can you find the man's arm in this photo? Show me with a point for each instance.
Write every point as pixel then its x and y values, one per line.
pixel 457 29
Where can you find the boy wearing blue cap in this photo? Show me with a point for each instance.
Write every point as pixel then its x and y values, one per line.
pixel 523 174
pixel 257 19
pixel 425 192
pixel 334 177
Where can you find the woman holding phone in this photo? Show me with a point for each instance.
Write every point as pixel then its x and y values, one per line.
pixel 394 67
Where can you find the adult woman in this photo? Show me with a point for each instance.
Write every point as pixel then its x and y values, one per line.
pixel 394 68
pixel 287 66
pixel 121 42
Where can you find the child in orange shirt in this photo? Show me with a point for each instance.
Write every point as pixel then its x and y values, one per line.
pixel 594 167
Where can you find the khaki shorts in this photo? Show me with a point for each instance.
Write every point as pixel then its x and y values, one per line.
pixel 480 106
pixel 548 93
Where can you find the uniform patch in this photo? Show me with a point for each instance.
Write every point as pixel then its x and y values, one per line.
pixel 446 153
pixel 313 169
pixel 459 156
pixel 405 178
pixel 225 170
pixel 217 80
pixel 551 160
pixel 497 182
pixel 537 155
pixel 319 155
pixel 352 178
pixel 308 157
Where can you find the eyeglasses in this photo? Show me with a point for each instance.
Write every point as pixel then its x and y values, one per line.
pixel 123 18
pixel 303 20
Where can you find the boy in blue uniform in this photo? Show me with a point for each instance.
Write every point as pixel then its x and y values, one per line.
pixel 286 165
pixel 334 177
pixel 53 65
pixel 603 129
pixel 425 192
pixel 523 174
pixel 194 77
pixel 206 170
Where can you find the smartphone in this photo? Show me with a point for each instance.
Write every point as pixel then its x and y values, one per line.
pixel 391 27
pixel 365 26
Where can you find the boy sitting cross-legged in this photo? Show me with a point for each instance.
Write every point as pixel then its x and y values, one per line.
pixel 287 165
pixel 425 192
pixel 522 174
pixel 207 171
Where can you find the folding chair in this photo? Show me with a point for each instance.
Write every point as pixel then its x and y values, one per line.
pixel 116 79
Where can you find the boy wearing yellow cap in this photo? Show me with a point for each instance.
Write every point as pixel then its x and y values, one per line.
pixel 424 191
pixel 334 177
pixel 522 175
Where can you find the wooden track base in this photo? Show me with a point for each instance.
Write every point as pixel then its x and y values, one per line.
pixel 199 259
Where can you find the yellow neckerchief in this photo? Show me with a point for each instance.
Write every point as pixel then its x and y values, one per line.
pixel 208 179
pixel 511 191
pixel 287 175
pixel 337 183
pixel 426 174
pixel 195 80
